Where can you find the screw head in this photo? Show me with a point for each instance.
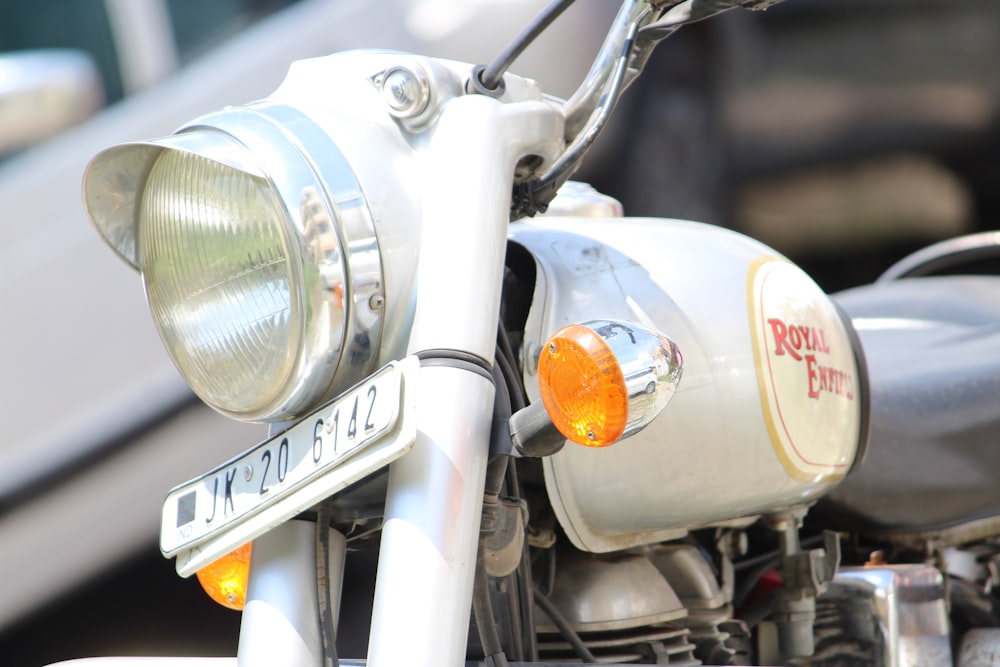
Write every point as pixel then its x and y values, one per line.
pixel 405 91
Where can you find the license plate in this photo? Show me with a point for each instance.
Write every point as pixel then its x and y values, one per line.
pixel 346 440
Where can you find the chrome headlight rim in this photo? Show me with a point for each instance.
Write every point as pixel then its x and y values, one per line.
pixel 312 179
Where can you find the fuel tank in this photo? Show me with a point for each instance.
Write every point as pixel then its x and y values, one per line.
pixel 770 412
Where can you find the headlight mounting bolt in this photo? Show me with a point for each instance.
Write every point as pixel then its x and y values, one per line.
pixel 406 91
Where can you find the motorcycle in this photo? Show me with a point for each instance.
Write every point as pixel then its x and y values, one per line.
pixel 510 425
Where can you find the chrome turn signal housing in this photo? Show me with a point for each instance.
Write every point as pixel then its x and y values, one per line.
pixel 258 253
pixel 605 380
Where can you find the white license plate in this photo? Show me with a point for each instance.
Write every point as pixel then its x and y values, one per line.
pixel 353 436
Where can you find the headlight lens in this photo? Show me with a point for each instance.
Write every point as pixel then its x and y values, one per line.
pixel 219 278
pixel 258 253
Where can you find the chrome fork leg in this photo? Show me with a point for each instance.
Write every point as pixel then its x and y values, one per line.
pixel 280 623
pixel 423 593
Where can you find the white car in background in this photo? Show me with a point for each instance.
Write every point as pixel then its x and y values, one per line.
pixel 97 424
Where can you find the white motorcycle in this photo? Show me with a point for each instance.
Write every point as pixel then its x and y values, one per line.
pixel 569 437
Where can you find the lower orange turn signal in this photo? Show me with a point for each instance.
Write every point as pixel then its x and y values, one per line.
pixel 225 580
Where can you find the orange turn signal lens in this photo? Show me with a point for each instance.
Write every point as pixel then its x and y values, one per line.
pixel 582 387
pixel 225 580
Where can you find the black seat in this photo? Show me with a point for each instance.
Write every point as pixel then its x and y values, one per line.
pixel 933 351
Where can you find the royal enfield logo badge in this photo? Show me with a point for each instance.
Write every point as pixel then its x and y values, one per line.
pixel 806 371
pixel 804 343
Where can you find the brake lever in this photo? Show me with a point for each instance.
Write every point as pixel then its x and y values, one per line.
pixel 677 14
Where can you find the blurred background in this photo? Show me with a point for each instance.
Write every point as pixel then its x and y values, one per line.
pixel 844 133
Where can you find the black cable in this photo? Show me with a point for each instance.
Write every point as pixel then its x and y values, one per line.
pixel 513 479
pixel 747 583
pixel 503 340
pixel 525 588
pixel 528 645
pixel 505 357
pixel 523 579
pixel 754 561
pixel 760 565
pixel 482 609
pixel 327 632
pixel 568 633
pixel 535 195
pixel 514 605
pixel 493 73
pixel 759 610
pixel 500 442
pixel 550 570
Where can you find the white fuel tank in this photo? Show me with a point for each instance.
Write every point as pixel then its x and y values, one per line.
pixel 771 410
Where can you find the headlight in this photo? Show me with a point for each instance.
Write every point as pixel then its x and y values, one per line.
pixel 259 257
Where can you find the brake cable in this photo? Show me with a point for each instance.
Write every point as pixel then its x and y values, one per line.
pixel 490 77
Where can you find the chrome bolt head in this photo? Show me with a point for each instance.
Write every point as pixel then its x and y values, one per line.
pixel 406 91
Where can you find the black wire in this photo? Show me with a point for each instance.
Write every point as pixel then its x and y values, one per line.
pixel 513 479
pixel 564 627
pixel 527 646
pixel 500 443
pixel 505 358
pixel 514 605
pixel 327 632
pixel 550 570
pixel 525 589
pixel 535 195
pixel 523 579
pixel 482 609
pixel 749 582
pixel 758 566
pixel 493 74
pixel 759 610
pixel 500 477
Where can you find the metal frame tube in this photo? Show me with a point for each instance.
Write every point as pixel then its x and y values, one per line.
pixel 280 623
pixel 423 593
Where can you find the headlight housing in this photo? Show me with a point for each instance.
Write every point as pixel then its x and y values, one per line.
pixel 259 256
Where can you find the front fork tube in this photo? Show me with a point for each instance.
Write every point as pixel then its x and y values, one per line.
pixel 431 532
pixel 280 623
pixel 429 544
pixel 427 561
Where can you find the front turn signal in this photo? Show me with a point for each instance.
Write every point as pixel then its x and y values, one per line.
pixel 225 580
pixel 604 380
pixel 582 387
